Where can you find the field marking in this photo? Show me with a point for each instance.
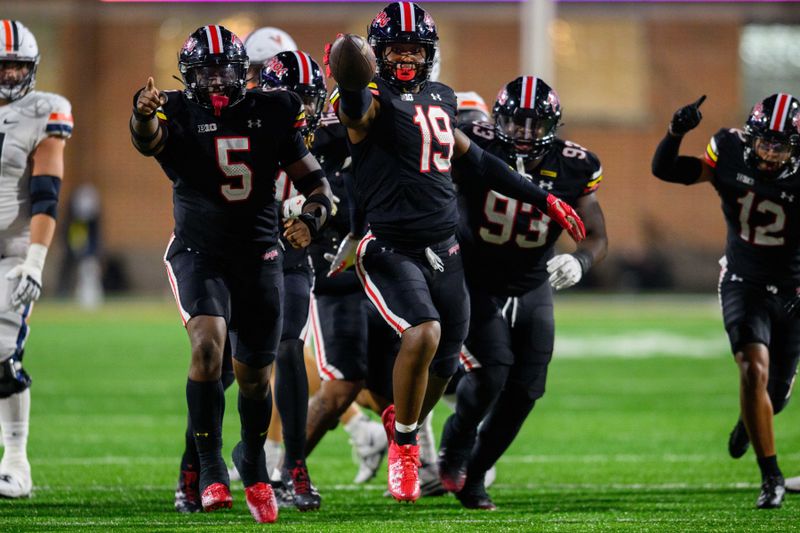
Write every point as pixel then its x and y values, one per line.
pixel 124 460
pixel 640 345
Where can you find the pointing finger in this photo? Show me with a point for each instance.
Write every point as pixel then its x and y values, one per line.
pixel 700 101
pixel 151 84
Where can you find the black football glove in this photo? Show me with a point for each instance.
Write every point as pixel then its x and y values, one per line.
pixel 686 118
pixel 792 307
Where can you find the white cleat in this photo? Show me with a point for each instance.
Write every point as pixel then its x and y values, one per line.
pixel 369 444
pixel 489 478
pixel 793 484
pixel 15 483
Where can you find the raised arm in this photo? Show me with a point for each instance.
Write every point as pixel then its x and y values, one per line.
pixel 667 165
pixel 352 65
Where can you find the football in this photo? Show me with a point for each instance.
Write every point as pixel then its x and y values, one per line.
pixel 352 62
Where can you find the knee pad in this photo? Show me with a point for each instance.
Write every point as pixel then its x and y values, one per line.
pixel 530 384
pixel 13 378
pixel 291 350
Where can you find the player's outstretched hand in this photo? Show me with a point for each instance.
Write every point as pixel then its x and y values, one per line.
pixel 345 255
pixel 351 61
pixel 150 99
pixel 297 233
pixel 565 271
pixel 686 118
pixel 566 217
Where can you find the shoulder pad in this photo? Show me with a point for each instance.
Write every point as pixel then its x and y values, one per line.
pixel 57 112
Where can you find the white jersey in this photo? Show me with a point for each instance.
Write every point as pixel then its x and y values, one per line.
pixel 24 123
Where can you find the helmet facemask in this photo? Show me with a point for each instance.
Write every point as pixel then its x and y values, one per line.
pixel 525 134
pixel 15 81
pixel 771 154
pixel 216 84
pixel 406 75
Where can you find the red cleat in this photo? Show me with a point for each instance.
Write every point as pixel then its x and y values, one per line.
pixel 387 417
pixel 403 471
pixel 261 502
pixel 216 496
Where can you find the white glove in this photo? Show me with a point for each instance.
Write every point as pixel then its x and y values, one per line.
pixel 28 276
pixel 565 271
pixel 345 255
pixel 292 207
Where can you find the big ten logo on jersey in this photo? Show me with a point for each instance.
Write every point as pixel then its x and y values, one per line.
pixel 505 221
pixel 284 188
pixel 434 124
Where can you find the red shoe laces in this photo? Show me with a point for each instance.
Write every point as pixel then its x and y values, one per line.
pixel 190 488
pixel 300 479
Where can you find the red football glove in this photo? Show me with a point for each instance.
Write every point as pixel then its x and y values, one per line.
pixel 326 57
pixel 566 217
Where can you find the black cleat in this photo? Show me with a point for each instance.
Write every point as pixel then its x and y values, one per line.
pixel 283 495
pixel 453 457
pixel 773 489
pixel 738 442
pixel 297 480
pixel 474 496
pixel 187 493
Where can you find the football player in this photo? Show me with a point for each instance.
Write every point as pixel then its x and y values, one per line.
pixel 755 172
pixel 222 146
pixel 400 130
pixel 471 108
pixel 261 45
pixel 511 268
pixel 34 127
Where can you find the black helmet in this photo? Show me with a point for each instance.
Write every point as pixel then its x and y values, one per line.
pixel 774 125
pixel 403 22
pixel 214 52
pixel 527 114
pixel 297 72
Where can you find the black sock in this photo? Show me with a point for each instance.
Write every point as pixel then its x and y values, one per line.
pixel 475 395
pixel 254 416
pixel 405 438
pixel 291 398
pixel 206 400
pixel 190 459
pixel 499 430
pixel 769 466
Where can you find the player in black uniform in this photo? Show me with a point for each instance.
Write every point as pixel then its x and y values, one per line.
pixel 755 173
pixel 295 71
pixel 221 147
pixel 400 129
pixel 509 258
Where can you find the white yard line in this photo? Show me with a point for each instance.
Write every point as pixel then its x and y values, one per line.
pixel 640 345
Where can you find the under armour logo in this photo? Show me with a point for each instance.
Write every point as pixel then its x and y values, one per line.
pixel 436 97
pixel 546 185
pixel 772 288
pixel 254 123
pixel 786 196
pixel 734 277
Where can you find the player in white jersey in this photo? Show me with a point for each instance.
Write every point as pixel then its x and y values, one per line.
pixel 34 127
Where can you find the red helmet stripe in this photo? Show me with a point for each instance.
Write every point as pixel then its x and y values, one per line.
pixel 779 113
pixel 407 16
pixel 305 67
pixel 214 39
pixel 528 92
pixel 9 39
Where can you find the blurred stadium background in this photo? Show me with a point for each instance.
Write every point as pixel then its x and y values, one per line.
pixel 620 68
pixel 642 394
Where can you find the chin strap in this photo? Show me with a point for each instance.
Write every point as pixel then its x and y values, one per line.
pixel 218 102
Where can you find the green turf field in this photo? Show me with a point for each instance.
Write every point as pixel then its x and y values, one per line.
pixel 631 435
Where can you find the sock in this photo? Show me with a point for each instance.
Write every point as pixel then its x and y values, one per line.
pixel 499 430
pixel 405 434
pixel 14 421
pixel 291 398
pixel 254 415
pixel 206 400
pixel 769 466
pixel 190 459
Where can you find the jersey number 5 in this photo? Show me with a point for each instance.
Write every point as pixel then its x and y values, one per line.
pixel 506 218
pixel 226 145
pixel 438 122
pixel 761 235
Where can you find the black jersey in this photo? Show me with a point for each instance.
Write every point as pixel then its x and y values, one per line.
pixel 402 168
pixel 763 216
pixel 223 168
pixel 330 148
pixel 506 242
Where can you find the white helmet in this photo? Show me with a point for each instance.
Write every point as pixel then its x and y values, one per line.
pixel 471 107
pixel 18 44
pixel 436 68
pixel 264 43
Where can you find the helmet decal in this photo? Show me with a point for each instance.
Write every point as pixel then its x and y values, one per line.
pixel 779 113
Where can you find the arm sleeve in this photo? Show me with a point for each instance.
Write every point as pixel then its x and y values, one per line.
pixel 668 166
pixel 358 219
pixel 500 177
pixel 292 146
